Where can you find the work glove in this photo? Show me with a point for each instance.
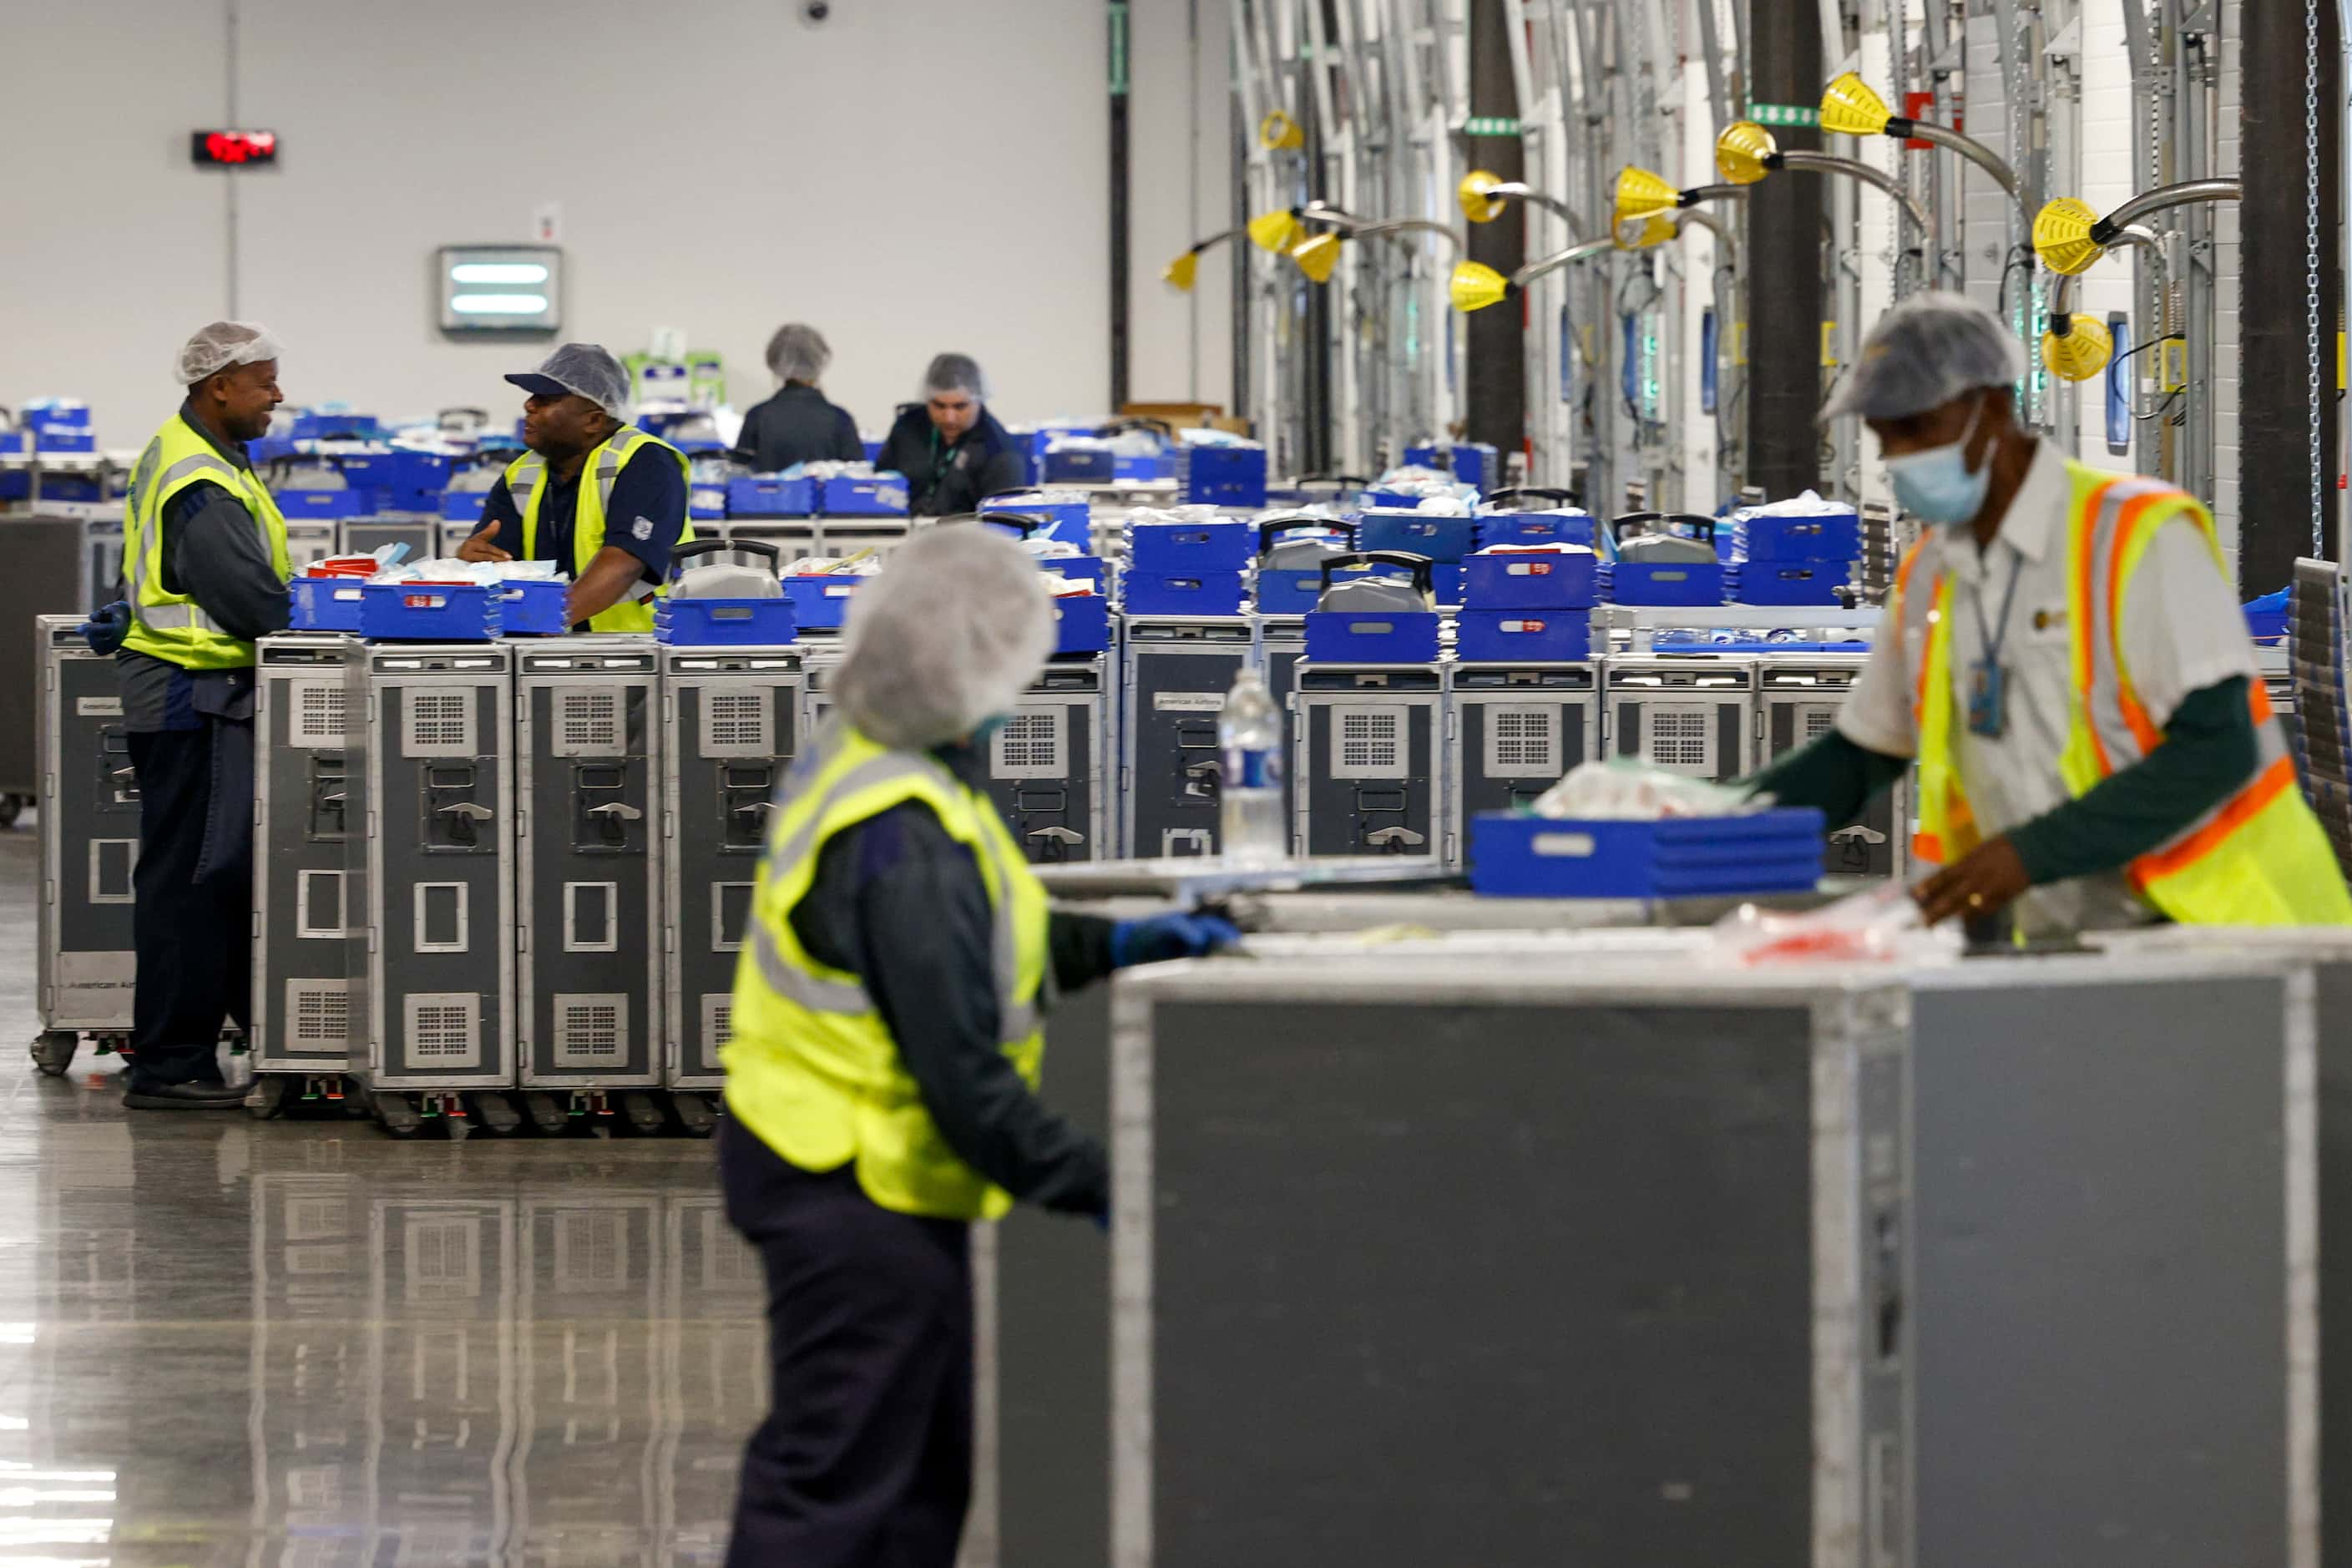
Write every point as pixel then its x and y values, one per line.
pixel 105 630
pixel 1165 937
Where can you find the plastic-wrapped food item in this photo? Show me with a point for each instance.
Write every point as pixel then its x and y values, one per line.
pixel 865 564
pixel 1808 504
pixel 1622 790
pixel 1880 925
pixel 450 569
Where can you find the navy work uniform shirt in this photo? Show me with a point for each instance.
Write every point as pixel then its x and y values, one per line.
pixel 644 516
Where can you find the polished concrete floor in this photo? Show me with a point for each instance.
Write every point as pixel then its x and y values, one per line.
pixel 296 1344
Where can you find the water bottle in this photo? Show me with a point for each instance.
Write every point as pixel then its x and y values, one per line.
pixel 1249 737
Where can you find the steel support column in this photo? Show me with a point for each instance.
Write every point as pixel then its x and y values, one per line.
pixel 1784 263
pixel 1495 383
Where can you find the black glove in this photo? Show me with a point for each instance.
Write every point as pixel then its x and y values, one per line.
pixel 105 630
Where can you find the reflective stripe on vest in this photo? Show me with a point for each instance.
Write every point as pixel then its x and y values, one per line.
pixel 168 626
pixel 2258 858
pixel 526 479
pixel 812 1068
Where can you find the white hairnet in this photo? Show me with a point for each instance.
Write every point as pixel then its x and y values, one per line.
pixel 947 635
pixel 955 372
pixel 1925 352
pixel 798 353
pixel 588 370
pixel 224 345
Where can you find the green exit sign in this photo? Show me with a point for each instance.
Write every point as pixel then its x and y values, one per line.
pixel 1783 114
pixel 1491 125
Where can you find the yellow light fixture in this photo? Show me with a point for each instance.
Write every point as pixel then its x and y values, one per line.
pixel 1850 108
pixel 1475 286
pixel 1183 270
pixel 1743 153
pixel 1643 234
pixel 1478 204
pixel 1638 193
pixel 1279 133
pixel 2081 352
pixel 2061 236
pixel 1317 255
pixel 1275 231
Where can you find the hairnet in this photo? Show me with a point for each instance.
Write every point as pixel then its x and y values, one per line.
pixel 947 635
pixel 798 353
pixel 1925 352
pixel 955 372
pixel 223 345
pixel 587 369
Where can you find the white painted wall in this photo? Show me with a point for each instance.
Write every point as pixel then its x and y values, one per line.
pixel 909 179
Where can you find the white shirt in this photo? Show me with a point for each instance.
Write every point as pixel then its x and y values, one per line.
pixel 2183 631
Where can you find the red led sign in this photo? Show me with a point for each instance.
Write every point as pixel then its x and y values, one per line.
pixel 218 148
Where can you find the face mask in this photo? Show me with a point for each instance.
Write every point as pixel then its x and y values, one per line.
pixel 1935 486
pixel 988 728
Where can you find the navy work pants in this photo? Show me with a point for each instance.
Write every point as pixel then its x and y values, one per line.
pixel 193 927
pixel 864 1460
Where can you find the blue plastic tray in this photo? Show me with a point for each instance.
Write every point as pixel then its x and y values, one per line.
pixel 313 506
pixel 1433 534
pixel 1828 536
pixel 1214 593
pixel 1192 549
pixel 463 506
pixel 1081 623
pixel 529 607
pixel 1222 475
pixel 1472 463
pixel 1684 583
pixel 1815 582
pixel 1523 636
pixel 882 495
pixel 1341 637
pixel 1536 528
pixel 1148 467
pixel 724 623
pixel 820 603
pixel 704 503
pixel 1539 858
pixel 1520 581
pixel 769 495
pixel 325 603
pixel 1069 518
pixel 1080 465
pixel 429 612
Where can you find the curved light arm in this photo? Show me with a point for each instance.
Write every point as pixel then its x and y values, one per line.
pixel 1363 230
pixel 1967 147
pixel 2062 297
pixel 1869 175
pixel 2164 196
pixel 1581 251
pixel 1711 194
pixel 1707 221
pixel 1527 192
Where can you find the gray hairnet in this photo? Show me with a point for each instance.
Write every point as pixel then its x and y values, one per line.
pixel 798 353
pixel 955 372
pixel 947 635
pixel 1925 352
pixel 224 345
pixel 588 369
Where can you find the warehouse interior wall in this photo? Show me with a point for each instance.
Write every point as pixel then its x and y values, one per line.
pixel 700 159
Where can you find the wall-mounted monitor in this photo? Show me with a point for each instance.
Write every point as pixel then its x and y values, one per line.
pixel 501 288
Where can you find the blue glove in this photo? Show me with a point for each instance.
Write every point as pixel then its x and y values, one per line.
pixel 1165 937
pixel 105 630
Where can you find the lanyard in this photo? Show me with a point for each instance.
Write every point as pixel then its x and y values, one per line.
pixel 1991 641
pixel 944 457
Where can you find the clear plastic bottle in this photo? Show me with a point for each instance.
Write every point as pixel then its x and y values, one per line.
pixel 1252 831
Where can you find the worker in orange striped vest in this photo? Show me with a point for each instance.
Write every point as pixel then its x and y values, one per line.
pixel 2065 659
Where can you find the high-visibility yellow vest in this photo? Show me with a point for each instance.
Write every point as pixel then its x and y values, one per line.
pixel 525 481
pixel 2259 858
pixel 811 1066
pixel 173 626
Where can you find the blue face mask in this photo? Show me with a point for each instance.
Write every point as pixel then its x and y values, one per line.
pixel 988 728
pixel 1936 486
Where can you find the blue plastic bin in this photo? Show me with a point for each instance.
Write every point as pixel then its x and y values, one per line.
pixel 1470 462
pixel 1080 465
pixel 1433 534
pixel 1827 536
pixel 1217 593
pixel 873 449
pixel 401 481
pixel 1536 528
pixel 463 506
pixel 821 603
pixel 1342 637
pixel 877 494
pixel 61 417
pixel 1191 549
pixel 1670 582
pixel 1081 623
pixel 706 501
pixel 68 487
pixel 1388 501
pixel 325 603
pixel 1069 521
pixel 1222 475
pixel 1143 468
pixel 1515 857
pixel 1517 580
pixel 429 612
pixel 54 440
pixel 315 426
pixel 770 495
pixel 299 506
pixel 533 607
pixel 724 623
pixel 1815 582
pixel 1523 636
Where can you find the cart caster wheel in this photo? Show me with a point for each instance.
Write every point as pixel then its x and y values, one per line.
pixel 397 1115
pixel 53 1051
pixel 267 1102
pixel 496 1114
pixel 12 807
pixel 545 1112
pixel 694 1115
pixel 644 1115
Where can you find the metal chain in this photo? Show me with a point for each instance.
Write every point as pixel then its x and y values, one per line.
pixel 2310 269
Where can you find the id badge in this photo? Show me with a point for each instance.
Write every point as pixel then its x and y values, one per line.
pixel 1988 700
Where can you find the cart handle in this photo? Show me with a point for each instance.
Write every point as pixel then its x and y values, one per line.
pixel 1647 518
pixel 1537 491
pixel 1419 566
pixel 1274 525
pixel 716 546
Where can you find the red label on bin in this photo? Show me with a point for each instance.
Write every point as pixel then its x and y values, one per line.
pixel 1523 625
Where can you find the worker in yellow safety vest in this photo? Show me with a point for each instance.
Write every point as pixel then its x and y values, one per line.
pixel 594 494
pixel 2065 659
pixel 203 566
pixel 887 1040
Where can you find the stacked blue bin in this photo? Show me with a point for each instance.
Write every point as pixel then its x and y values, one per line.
pixel 1559 522
pixel 1442 539
pixel 1294 590
pixel 1187 567
pixel 1517 856
pixel 1528 606
pixel 1678 583
pixel 1227 475
pixel 1792 557
pixel 1338 635
pixel 1473 463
